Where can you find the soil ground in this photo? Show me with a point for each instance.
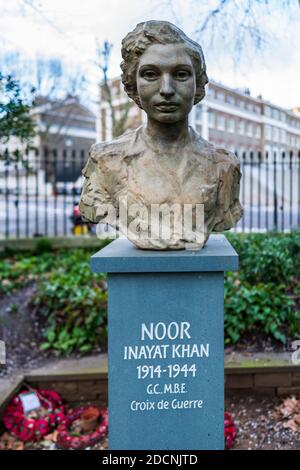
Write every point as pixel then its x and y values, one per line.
pixel 258 425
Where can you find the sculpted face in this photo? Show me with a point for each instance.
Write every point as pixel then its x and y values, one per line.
pixel 166 82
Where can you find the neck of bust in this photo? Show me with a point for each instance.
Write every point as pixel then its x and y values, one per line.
pixel 167 134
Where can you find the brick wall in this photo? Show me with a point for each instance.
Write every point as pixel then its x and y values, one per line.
pixel 76 390
pixel 92 387
pixel 281 381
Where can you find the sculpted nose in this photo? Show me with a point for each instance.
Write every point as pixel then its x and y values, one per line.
pixel 166 88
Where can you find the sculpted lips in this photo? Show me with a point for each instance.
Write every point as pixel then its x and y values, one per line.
pixel 167 106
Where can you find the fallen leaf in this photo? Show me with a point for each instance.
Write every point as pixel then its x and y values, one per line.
pixel 289 407
pixel 52 437
pixel 290 424
pixel 297 419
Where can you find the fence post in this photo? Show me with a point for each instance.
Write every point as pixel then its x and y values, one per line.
pixel 267 191
pixel 251 190
pixel 275 215
pixel 291 189
pixel 7 163
pixel 259 188
pixel 282 189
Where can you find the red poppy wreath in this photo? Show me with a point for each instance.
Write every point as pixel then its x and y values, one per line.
pixel 36 424
pixel 68 439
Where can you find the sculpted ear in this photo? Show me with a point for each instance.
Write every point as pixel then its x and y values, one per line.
pixel 202 80
pixel 200 93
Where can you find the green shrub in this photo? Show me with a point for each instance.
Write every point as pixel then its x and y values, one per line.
pixel 75 310
pixel 70 300
pixel 73 302
pixel 267 257
pixel 18 270
pixel 264 294
pixel 43 245
pixel 260 307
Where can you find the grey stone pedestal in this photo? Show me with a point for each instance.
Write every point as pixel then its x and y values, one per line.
pixel 166 345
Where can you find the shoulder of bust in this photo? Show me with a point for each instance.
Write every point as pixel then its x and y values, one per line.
pixel 219 156
pixel 226 157
pixel 204 148
pixel 116 147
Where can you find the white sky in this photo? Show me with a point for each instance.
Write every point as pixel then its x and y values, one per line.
pixel 68 29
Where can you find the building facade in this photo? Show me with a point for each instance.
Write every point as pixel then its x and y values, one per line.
pixel 226 117
pixel 66 131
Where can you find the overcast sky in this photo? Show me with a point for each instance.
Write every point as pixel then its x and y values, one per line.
pixel 68 29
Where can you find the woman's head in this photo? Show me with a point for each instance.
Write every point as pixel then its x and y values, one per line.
pixel 164 33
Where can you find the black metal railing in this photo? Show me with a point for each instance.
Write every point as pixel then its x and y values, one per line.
pixel 39 191
pixel 270 191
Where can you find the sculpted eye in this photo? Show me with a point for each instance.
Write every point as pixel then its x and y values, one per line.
pixel 150 75
pixel 182 74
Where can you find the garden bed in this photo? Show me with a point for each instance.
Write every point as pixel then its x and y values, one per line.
pixel 258 424
pixel 51 304
pixel 262 422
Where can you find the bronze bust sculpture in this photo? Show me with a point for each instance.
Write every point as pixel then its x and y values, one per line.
pixel 165 162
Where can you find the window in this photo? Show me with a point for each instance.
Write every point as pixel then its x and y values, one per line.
pixel 68 142
pixel 282 116
pixel 241 127
pixel 220 96
pixel 230 99
pixel 267 132
pixel 275 133
pixel 198 113
pixel 283 135
pixel 267 111
pixel 249 129
pixel 210 92
pixel 211 119
pixel 230 125
pixel 221 123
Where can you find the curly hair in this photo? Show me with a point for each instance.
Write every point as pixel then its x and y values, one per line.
pixel 151 32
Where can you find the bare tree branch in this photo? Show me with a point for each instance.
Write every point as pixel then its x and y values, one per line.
pixel 103 56
pixel 211 15
pixel 235 25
